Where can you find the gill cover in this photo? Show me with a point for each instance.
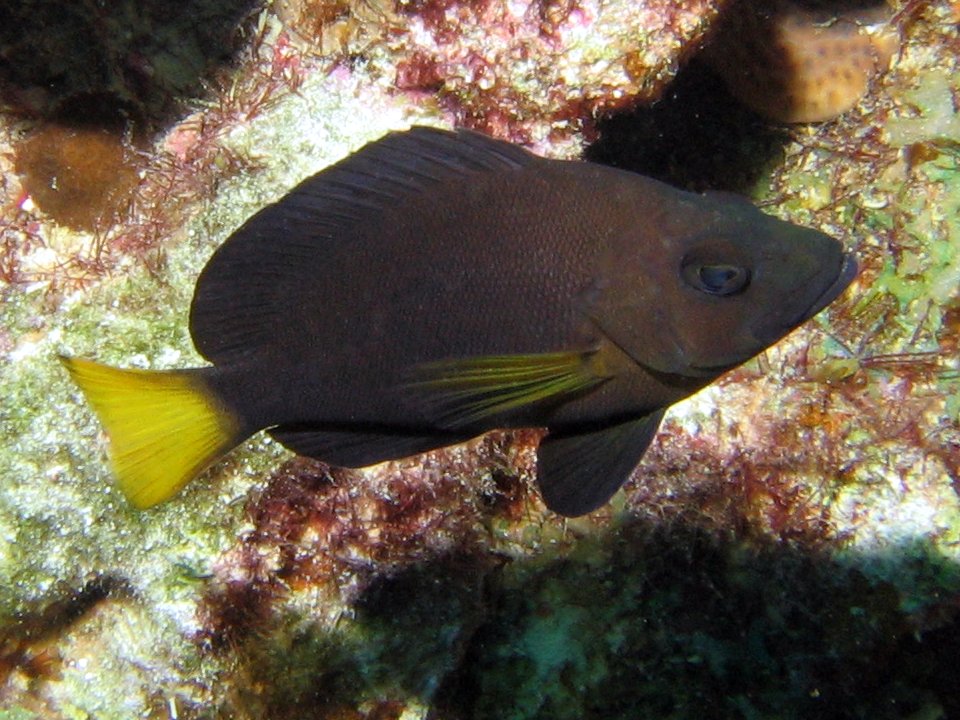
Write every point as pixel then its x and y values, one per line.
pixel 712 282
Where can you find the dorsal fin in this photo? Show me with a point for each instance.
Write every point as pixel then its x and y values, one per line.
pixel 244 289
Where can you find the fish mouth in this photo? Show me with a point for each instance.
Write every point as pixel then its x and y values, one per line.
pixel 694 373
pixel 846 274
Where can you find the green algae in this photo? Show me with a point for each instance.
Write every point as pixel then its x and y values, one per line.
pixel 928 267
pixel 924 199
pixel 63 525
pixel 18 714
pixel 927 112
pixel 898 505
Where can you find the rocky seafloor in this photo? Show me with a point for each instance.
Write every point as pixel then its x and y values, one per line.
pixel 788 547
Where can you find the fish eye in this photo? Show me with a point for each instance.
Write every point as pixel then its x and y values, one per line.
pixel 716 279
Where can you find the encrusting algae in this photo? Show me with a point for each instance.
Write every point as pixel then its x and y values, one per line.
pixel 447 284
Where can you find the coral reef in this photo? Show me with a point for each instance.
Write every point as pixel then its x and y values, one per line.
pixel 673 622
pixel 540 70
pixel 788 547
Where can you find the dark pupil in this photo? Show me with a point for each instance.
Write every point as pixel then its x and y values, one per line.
pixel 718 278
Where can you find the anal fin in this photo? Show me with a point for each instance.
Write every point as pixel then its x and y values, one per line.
pixel 579 472
pixel 358 448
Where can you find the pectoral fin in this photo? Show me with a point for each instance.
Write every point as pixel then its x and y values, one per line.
pixel 463 391
pixel 580 472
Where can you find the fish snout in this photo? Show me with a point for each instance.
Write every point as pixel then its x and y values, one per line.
pixel 813 296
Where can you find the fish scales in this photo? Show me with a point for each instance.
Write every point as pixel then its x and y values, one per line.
pixel 435 285
pixel 489 278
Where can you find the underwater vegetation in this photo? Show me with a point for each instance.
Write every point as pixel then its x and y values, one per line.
pixel 674 620
pixel 787 547
pixel 81 177
pixel 542 69
pixel 92 82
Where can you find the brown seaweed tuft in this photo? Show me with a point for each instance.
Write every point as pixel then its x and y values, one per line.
pixel 82 177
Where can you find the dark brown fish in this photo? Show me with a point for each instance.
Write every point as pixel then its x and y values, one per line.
pixel 435 285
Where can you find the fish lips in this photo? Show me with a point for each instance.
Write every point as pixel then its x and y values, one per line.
pixel 841 280
pixel 846 274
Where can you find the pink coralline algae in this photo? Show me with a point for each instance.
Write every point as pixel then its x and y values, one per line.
pixel 541 69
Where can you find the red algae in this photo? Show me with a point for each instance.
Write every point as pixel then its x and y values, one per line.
pixel 334 531
pixel 769 464
pixel 133 199
pixel 545 68
pixel 754 477
pixel 313 18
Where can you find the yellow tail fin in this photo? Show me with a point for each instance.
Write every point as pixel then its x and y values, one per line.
pixel 164 426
